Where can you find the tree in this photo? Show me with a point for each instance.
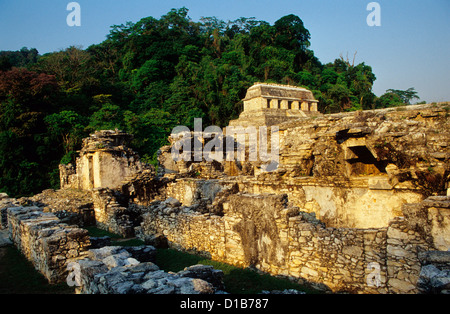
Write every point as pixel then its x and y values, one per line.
pixel 21 59
pixel 340 95
pixel 291 33
pixel 388 100
pixel 31 89
pixel 405 95
pixel 150 131
pixel 68 127
pixel 306 78
pixel 109 117
pixel 72 67
pixel 329 76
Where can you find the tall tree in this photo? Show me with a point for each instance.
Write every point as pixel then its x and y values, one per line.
pixel 405 95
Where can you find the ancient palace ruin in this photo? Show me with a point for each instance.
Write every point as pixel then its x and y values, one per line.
pixel 270 104
pixel 359 203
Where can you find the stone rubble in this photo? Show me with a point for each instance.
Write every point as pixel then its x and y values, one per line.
pixel 434 277
pixel 113 270
pixel 4 238
pixel 70 206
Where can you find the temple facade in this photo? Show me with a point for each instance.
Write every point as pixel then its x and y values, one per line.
pixel 282 97
pixel 269 104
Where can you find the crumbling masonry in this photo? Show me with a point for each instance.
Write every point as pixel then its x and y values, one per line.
pixel 359 201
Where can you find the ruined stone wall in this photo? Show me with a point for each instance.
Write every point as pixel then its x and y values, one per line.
pixel 403 249
pixel 49 244
pixel 431 218
pixel 410 146
pixel 351 205
pixel 110 215
pixel 191 191
pixel 357 203
pixel 130 270
pixel 265 232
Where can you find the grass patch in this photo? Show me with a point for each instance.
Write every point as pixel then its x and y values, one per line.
pixel 237 280
pixel 116 240
pixel 97 232
pixel 128 242
pixel 18 276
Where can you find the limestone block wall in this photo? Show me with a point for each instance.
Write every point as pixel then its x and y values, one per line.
pixel 106 169
pixel 403 249
pixel 431 218
pixel 264 232
pixel 109 214
pixel 190 191
pixel 357 203
pixel 49 244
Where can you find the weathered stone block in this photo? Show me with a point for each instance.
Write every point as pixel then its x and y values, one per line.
pixel 49 244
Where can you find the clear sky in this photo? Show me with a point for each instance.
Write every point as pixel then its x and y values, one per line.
pixel 411 48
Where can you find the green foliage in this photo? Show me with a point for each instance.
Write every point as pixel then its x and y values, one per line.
pixel 151 130
pixel 405 95
pixel 388 100
pixel 21 58
pixel 69 158
pixel 68 127
pixel 108 117
pixel 150 76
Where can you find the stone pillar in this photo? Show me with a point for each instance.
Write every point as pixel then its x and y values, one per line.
pixel 295 105
pixel 284 104
pixel 313 107
pixel 274 104
pixel 305 106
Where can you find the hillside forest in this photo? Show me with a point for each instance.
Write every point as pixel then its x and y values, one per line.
pixel 147 77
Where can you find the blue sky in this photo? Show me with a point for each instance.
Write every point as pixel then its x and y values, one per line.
pixel 411 48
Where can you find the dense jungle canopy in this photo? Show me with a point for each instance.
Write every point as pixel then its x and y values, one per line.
pixel 150 76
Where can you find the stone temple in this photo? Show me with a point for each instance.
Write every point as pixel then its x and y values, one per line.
pixel 270 104
pixel 104 161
